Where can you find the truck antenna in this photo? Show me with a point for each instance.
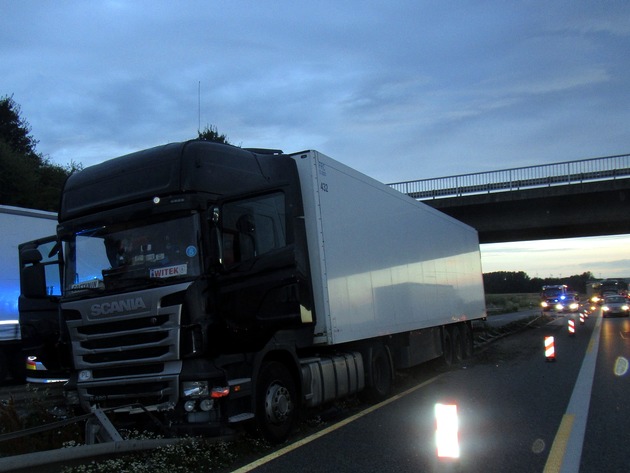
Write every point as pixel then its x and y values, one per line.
pixel 199 107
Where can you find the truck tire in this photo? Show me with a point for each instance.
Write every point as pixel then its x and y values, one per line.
pixel 380 376
pixel 276 403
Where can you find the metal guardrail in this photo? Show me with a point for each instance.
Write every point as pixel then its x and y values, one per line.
pixel 568 172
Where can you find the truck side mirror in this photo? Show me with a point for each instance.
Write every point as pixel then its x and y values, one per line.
pixel 30 256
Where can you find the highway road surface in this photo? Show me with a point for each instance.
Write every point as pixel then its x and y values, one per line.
pixel 517 412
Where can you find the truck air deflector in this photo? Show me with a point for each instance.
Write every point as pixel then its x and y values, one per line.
pixel 175 168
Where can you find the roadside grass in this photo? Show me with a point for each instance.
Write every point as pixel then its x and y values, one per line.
pixel 505 303
pixel 183 455
pixel 39 408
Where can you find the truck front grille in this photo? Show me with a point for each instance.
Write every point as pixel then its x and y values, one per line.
pixel 128 357
pixel 126 340
pixel 140 370
pixel 136 323
pixel 105 357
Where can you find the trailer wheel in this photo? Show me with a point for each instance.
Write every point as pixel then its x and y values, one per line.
pixel 457 344
pixel 468 340
pixel 447 347
pixel 276 408
pixel 380 375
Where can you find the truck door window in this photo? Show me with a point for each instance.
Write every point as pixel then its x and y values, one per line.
pixel 47 268
pixel 253 227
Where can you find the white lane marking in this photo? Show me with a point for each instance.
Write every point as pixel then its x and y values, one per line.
pixel 566 450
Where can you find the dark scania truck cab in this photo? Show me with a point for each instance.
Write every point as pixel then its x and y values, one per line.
pixel 181 262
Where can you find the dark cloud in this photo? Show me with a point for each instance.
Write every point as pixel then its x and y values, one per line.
pixel 438 88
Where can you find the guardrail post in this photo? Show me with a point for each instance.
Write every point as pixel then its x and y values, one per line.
pixel 100 429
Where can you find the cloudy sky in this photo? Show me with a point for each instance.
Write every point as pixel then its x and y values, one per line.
pixel 398 89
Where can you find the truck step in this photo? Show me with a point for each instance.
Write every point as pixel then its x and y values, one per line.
pixel 241 417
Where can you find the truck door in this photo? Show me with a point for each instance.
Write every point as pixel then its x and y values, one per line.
pixel 38 304
pixel 259 287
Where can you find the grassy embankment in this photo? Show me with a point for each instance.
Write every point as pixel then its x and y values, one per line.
pixel 506 303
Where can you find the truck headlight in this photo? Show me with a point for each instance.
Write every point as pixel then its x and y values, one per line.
pixel 206 405
pixel 195 388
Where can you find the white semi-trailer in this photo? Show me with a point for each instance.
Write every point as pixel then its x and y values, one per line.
pixel 18 225
pixel 218 285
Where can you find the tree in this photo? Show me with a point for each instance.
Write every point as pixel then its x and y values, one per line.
pixel 27 179
pixel 508 282
pixel 18 180
pixel 210 133
pixel 15 131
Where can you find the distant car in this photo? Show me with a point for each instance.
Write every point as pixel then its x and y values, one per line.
pixel 567 304
pixel 615 305
pixel 561 304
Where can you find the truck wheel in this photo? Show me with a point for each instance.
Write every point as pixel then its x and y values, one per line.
pixel 276 408
pixel 380 375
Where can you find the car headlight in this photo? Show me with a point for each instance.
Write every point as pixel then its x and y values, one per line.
pixel 625 307
pixel 195 388
pixel 605 308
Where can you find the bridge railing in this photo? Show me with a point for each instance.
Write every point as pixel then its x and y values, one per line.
pixel 568 172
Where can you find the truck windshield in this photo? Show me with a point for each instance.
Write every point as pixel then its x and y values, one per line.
pixel 128 256
pixel 555 292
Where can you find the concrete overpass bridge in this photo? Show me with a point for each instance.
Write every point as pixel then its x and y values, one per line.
pixel 589 197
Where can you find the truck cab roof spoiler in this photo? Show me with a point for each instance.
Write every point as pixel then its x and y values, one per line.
pixel 264 151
